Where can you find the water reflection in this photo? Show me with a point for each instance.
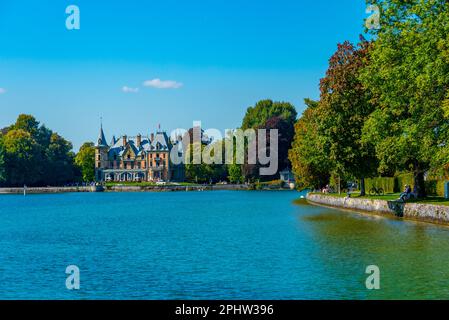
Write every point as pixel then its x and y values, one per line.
pixel 413 257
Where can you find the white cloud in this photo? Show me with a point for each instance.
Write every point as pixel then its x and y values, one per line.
pixel 127 89
pixel 2 90
pixel 159 84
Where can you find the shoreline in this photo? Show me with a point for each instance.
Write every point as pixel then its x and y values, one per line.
pixel 124 188
pixel 423 212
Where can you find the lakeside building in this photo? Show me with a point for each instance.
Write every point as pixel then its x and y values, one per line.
pixel 136 159
pixel 287 176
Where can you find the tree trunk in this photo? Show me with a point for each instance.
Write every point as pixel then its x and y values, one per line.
pixel 420 188
pixel 362 187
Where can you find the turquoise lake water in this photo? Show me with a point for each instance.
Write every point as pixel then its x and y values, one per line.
pixel 212 245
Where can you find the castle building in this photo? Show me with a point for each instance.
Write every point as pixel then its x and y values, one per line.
pixel 136 159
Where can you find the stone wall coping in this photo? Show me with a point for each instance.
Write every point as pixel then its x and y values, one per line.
pixel 415 211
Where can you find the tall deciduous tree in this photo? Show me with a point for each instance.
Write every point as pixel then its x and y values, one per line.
pixel 204 172
pixel 258 115
pixel 235 173
pixel 286 131
pixel 22 155
pixel 2 161
pixel 28 124
pixel 310 163
pixel 344 107
pixel 85 160
pixel 409 77
pixel 59 167
pixel 35 155
pixel 268 114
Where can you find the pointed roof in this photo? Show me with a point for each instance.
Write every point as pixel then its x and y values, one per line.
pixel 113 141
pixel 101 142
pixel 160 141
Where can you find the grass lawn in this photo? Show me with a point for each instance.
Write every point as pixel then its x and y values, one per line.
pixel 388 196
pixel 434 200
pixel 394 196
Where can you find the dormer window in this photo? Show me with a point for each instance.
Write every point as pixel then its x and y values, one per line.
pixel 129 157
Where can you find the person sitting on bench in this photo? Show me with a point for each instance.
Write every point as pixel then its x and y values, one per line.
pixel 406 194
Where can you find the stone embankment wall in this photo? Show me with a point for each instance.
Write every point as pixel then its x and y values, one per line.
pixel 168 188
pixel 123 188
pixel 427 212
pixel 46 190
pixel 415 211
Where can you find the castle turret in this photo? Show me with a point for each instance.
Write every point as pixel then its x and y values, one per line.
pixel 139 141
pixel 101 155
pixel 113 141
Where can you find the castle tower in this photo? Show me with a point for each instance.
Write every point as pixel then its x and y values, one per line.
pixel 101 155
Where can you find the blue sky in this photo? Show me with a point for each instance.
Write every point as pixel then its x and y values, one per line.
pixel 222 56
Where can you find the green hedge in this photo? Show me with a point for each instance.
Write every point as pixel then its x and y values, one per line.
pixel 431 187
pixel 390 185
pixel 385 183
pixel 402 180
pixel 440 188
pixel 435 187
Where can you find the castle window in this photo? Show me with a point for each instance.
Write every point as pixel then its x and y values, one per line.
pixel 99 157
pixel 99 164
pixel 129 156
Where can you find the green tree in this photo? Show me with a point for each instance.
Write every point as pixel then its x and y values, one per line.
pixel 59 168
pixel 235 173
pixel 203 172
pixel 22 153
pixel 32 154
pixel 35 155
pixel 2 161
pixel 85 160
pixel 28 124
pixel 310 163
pixel 408 77
pixel 344 107
pixel 258 115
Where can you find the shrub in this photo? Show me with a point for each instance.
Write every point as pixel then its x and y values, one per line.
pixel 435 187
pixel 386 183
pixel 402 180
pixel 440 188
